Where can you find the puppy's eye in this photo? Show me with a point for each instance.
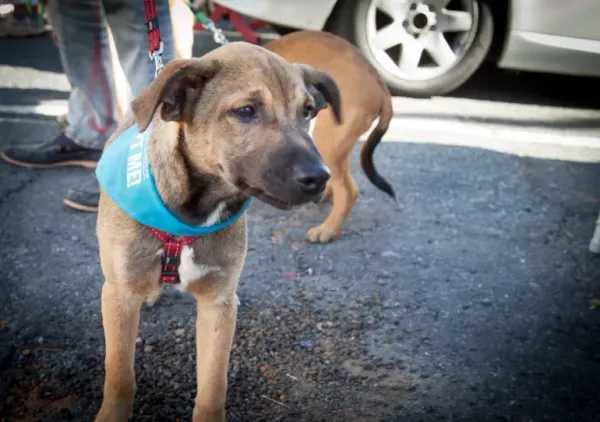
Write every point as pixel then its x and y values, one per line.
pixel 247 112
pixel 308 112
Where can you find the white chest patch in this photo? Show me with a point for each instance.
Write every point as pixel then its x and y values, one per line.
pixel 190 271
pixel 215 216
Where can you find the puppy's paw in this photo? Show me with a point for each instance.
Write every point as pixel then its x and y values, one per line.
pixel 203 415
pixel 113 415
pixel 320 234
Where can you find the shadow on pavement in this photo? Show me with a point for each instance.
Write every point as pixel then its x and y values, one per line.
pixel 471 304
pixel 493 84
pixel 549 123
pixel 41 53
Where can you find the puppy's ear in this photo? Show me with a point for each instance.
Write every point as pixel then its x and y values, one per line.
pixel 177 87
pixel 327 89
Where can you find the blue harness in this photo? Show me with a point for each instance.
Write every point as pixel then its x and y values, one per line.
pixel 125 176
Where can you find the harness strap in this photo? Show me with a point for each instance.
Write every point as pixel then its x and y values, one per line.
pixel 172 245
pixel 171 256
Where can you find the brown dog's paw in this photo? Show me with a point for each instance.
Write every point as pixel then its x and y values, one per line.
pixel 320 235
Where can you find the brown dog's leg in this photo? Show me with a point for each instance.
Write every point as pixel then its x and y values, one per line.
pixel 345 193
pixel 215 326
pixel 120 317
pixel 332 142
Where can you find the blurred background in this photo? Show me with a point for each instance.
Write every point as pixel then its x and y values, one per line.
pixel 478 302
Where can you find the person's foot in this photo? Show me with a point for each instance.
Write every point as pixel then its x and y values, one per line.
pixel 62 151
pixel 84 197
pixel 17 21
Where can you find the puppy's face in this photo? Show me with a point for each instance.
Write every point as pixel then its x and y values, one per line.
pixel 244 115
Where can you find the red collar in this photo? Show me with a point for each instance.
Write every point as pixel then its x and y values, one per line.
pixel 171 256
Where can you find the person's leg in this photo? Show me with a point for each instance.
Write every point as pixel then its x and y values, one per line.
pixel 183 39
pixel 128 27
pixel 81 32
pixel 82 37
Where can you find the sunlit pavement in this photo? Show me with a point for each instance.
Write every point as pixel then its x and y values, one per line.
pixel 473 303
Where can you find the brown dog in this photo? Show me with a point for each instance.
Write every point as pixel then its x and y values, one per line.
pixel 227 126
pixel 364 98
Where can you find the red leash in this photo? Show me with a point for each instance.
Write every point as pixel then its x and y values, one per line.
pixel 154 39
pixel 245 31
pixel 155 44
pixel 172 245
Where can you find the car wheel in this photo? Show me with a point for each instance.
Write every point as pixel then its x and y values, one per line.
pixel 420 47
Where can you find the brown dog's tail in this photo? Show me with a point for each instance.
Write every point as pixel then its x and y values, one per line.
pixel 366 152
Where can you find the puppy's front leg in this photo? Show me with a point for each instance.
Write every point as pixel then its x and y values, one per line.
pixel 215 326
pixel 120 317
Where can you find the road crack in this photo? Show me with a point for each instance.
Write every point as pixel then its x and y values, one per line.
pixel 20 187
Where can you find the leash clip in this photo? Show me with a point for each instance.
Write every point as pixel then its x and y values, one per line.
pixel 156 57
pixel 218 35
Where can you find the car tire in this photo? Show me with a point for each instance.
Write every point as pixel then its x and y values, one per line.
pixel 349 20
pixel 282 30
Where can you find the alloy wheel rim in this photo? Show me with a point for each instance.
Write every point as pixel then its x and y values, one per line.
pixel 419 40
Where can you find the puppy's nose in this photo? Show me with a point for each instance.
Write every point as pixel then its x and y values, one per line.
pixel 312 178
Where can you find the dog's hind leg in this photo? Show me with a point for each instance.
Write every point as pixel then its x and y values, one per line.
pixel 215 326
pixel 335 144
pixel 345 193
pixel 120 317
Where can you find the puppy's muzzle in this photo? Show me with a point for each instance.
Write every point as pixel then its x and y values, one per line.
pixel 291 176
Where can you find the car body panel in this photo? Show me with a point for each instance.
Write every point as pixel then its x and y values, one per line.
pixel 553 36
pixel 575 18
pixel 305 14
pixel 543 35
pixel 538 52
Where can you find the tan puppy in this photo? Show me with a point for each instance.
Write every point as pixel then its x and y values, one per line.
pixel 231 124
pixel 364 98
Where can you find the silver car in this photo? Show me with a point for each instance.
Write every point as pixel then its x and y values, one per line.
pixel 431 47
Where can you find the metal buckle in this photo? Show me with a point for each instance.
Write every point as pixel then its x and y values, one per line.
pixel 156 57
pixel 158 52
pixel 172 260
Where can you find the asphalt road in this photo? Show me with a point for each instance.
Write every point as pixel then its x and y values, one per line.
pixel 472 304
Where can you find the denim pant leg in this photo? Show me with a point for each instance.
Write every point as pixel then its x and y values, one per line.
pixel 128 27
pixel 80 28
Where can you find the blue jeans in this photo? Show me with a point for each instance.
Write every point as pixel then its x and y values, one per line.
pixel 80 27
